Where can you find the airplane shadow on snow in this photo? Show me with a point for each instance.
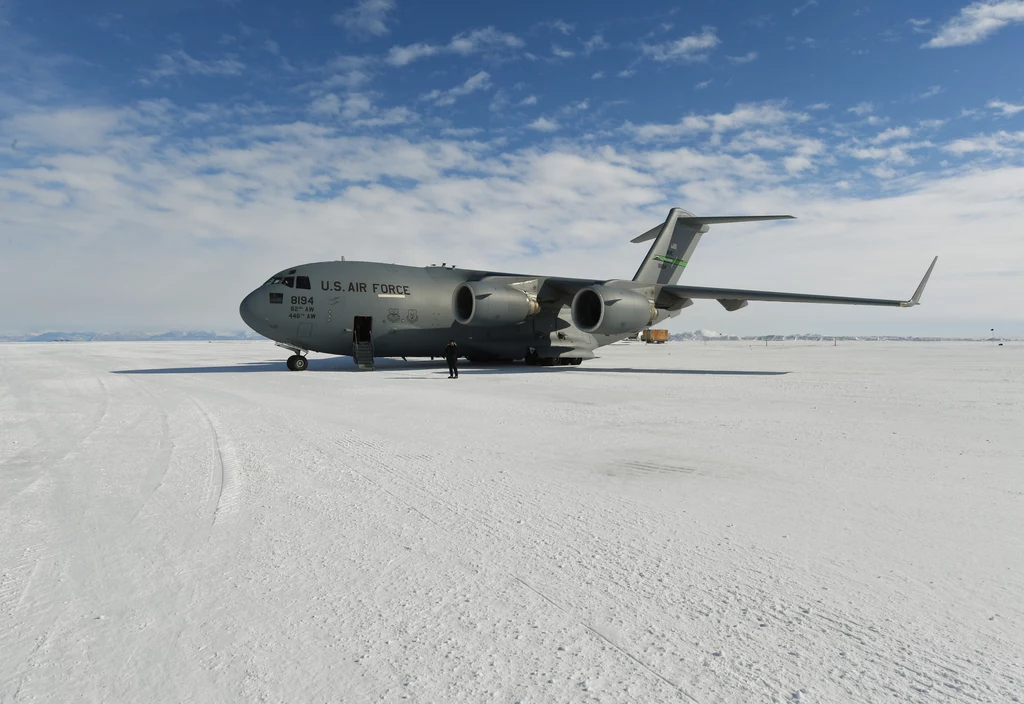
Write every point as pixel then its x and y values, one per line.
pixel 330 365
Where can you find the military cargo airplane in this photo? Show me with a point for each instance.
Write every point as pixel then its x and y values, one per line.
pixel 366 310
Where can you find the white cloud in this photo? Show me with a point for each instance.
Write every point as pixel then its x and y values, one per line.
pixel 882 172
pixel 358 110
pixel 819 106
pixel 695 47
pixel 385 118
pixel 272 46
pixel 483 40
pixel 807 5
pixel 179 62
pixel 529 100
pixel 1001 143
pixel 1007 109
pixel 977 22
pixel 461 132
pixel 561 53
pixel 743 116
pixel 329 104
pixel 745 59
pixel 402 55
pixel 891 134
pixel 861 109
pixel 595 43
pixel 543 124
pixel 703 84
pixel 896 154
pixel 366 18
pixel 597 75
pixel 931 92
pixel 560 26
pixel 626 73
pixel 919 25
pixel 797 164
pixel 70 128
pixel 478 81
pixel 356 105
pixel 348 72
pixel 477 41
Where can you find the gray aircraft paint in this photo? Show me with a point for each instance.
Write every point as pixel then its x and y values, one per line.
pixel 412 308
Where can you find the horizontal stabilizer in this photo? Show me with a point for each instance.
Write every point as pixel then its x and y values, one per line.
pixel 696 221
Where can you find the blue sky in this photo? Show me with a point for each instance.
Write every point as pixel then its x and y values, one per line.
pixel 158 160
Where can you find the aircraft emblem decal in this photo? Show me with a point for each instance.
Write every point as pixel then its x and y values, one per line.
pixel 393 315
pixel 669 260
pixel 413 315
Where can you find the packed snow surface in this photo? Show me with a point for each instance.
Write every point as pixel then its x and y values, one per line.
pixel 681 522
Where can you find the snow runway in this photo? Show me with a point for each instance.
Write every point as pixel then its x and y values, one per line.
pixel 188 521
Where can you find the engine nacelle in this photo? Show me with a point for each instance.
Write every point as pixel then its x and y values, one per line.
pixel 608 311
pixel 482 304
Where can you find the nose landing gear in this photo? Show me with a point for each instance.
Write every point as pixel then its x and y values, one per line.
pixel 297 362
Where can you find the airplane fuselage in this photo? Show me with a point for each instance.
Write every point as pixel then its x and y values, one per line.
pixel 407 311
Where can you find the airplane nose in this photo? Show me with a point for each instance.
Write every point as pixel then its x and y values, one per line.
pixel 250 311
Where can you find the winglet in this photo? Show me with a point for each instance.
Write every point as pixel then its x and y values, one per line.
pixel 916 298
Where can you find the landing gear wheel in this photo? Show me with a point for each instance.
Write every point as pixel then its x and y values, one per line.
pixel 297 363
pixel 576 361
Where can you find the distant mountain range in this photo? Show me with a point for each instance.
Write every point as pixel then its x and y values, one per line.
pixel 696 335
pixel 173 336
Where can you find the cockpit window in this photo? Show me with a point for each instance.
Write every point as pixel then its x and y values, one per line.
pixel 301 282
pixel 289 281
pixel 273 280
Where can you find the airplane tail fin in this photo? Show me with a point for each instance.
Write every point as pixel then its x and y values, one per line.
pixel 675 240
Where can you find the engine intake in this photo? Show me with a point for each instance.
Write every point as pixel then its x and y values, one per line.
pixel 482 304
pixel 608 311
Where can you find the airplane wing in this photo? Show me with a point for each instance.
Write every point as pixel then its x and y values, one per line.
pixel 674 297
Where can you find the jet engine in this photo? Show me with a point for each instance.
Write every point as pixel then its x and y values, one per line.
pixel 482 304
pixel 608 311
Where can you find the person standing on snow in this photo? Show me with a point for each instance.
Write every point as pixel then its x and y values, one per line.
pixel 451 353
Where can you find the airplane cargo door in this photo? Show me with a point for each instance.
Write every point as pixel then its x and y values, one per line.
pixel 362 327
pixel 362 346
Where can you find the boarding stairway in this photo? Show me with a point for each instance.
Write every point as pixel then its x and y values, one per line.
pixel 362 353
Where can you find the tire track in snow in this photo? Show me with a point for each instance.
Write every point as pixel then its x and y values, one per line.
pixel 939 679
pixel 40 567
pixel 373 453
pixel 54 446
pixel 593 631
pixel 225 493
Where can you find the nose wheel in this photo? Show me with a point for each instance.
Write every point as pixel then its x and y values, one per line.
pixel 297 363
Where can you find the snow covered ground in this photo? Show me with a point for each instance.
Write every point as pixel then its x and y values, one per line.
pixel 191 522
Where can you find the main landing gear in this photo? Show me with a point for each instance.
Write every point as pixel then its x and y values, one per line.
pixel 535 361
